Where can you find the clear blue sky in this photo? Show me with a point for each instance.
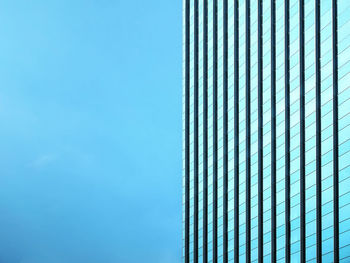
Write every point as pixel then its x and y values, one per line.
pixel 90 136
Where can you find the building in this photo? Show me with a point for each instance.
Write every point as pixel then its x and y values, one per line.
pixel 266 131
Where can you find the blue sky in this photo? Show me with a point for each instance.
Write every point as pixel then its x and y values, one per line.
pixel 90 113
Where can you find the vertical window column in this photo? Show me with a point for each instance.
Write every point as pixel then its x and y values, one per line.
pixel 318 133
pixel 230 127
pixel 326 131
pixel 344 127
pixel 267 130
pixel 220 130
pixel 310 132
pixel 187 132
pixel 280 133
pixel 242 130
pixel 191 131
pixel 294 127
pixel 254 121
pixel 200 134
pixel 210 132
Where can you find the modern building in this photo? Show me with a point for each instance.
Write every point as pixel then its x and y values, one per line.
pixel 266 131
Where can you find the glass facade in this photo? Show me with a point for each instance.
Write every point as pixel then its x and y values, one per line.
pixel 266 131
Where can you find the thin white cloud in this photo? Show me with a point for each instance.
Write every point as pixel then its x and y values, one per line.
pixel 43 160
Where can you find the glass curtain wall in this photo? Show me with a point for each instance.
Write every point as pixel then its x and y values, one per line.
pixel 250 136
